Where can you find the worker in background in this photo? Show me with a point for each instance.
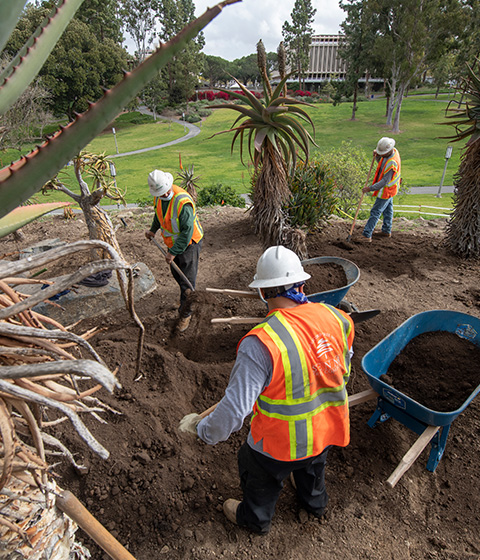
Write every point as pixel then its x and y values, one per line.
pixel 176 217
pixel 385 186
pixel 291 371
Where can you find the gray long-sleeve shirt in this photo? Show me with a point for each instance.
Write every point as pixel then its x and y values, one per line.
pixel 250 375
pixel 383 181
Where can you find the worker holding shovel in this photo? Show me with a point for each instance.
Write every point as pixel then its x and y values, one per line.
pixel 291 371
pixel 176 217
pixel 385 186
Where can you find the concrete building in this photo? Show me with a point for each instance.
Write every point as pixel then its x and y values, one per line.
pixel 325 62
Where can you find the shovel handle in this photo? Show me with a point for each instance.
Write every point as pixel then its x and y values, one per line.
pixel 71 505
pixel 361 198
pixel 173 264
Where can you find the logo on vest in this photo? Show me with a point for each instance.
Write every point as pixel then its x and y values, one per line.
pixel 327 361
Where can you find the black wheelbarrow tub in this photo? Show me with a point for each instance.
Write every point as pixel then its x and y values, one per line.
pixel 334 297
pixel 376 362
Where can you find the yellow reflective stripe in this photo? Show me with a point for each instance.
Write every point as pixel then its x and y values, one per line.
pixel 301 353
pixel 285 361
pixel 293 439
pixel 305 415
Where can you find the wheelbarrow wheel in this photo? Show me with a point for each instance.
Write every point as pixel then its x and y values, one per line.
pixel 347 306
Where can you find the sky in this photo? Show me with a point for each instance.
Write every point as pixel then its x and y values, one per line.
pixel 235 32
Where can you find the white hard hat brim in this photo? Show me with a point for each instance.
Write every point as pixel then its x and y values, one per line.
pixel 277 282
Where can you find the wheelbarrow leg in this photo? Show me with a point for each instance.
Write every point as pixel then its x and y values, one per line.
pixel 378 416
pixel 438 447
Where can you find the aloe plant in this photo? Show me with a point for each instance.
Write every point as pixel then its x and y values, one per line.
pixel 273 129
pixel 23 215
pixel 23 178
pixel 463 227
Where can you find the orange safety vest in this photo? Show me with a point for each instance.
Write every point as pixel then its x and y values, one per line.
pixel 170 223
pixel 304 408
pixel 384 166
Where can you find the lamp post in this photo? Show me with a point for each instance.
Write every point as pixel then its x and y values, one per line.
pixel 115 138
pixel 448 155
pixel 113 173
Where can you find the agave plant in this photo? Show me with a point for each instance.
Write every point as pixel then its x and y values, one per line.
pixel 273 129
pixel 463 227
pixel 188 180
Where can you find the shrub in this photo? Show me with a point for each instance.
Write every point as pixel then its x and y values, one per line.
pixel 192 118
pixel 348 166
pixel 313 197
pixel 219 195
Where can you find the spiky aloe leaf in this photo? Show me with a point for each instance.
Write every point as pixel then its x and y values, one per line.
pixel 23 178
pixel 31 57
pixel 23 215
pixel 9 14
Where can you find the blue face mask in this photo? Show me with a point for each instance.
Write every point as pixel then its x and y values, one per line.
pixel 169 197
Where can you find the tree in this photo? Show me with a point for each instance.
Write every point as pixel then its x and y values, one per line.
pixel 463 227
pixel 407 34
pixel 357 46
pixel 25 120
pixel 103 19
pixel 181 73
pixel 78 67
pixel 298 37
pixel 216 70
pixel 140 18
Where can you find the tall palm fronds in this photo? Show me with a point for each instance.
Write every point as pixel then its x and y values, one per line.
pixel 463 227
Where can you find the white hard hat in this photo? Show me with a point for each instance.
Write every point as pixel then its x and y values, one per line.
pixel 385 145
pixel 159 182
pixel 278 266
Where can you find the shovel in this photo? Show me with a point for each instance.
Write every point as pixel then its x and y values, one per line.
pixel 174 265
pixel 361 200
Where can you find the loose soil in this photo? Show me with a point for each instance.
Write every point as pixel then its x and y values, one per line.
pixel 439 370
pixel 161 492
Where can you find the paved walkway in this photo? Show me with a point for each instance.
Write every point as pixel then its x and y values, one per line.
pixel 193 130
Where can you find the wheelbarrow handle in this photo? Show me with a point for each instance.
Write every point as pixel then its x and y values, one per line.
pixel 174 264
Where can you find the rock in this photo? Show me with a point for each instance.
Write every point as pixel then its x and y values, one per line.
pixel 86 302
pixel 302 516
pixel 41 247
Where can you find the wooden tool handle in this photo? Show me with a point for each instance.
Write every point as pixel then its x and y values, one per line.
pixel 208 411
pixel 362 397
pixel 361 198
pixel 238 293
pixel 238 320
pixel 72 506
pixel 412 454
pixel 174 264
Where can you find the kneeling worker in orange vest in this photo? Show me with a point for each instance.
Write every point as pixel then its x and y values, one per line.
pixel 291 371
pixel 176 217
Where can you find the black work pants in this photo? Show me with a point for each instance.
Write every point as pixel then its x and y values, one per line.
pixel 262 479
pixel 187 262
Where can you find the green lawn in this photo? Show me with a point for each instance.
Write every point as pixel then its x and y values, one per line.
pixel 421 149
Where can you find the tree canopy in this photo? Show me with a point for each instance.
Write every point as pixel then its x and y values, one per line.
pixel 298 37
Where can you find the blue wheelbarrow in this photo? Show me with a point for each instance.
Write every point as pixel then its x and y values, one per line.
pixel 335 297
pixel 432 426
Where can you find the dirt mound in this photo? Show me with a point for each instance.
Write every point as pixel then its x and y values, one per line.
pixel 161 492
